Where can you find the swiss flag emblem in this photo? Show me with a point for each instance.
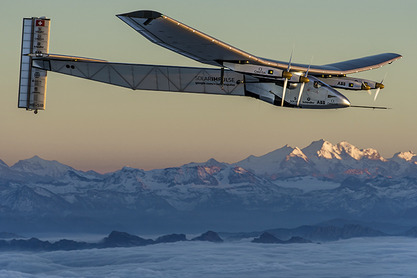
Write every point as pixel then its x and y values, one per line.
pixel 40 22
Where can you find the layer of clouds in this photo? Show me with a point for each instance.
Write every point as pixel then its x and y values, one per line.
pixel 365 257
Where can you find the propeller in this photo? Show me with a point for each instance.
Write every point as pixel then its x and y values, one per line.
pixel 303 80
pixel 379 86
pixel 366 87
pixel 287 75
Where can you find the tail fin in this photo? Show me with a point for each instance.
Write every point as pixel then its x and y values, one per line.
pixel 32 84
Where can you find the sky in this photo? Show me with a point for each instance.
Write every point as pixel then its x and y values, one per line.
pixel 94 126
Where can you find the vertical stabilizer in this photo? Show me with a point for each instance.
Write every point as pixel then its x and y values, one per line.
pixel 32 85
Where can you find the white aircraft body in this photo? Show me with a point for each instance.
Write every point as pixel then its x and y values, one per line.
pixel 239 73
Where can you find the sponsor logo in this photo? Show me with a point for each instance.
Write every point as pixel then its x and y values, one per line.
pixel 215 79
pixel 212 80
pixel 259 71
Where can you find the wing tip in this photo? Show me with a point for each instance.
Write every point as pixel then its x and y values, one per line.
pixel 395 55
pixel 142 14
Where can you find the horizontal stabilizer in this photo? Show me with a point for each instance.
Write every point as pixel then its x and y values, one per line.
pixel 65 57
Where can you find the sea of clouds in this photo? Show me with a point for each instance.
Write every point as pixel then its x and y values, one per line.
pixel 360 257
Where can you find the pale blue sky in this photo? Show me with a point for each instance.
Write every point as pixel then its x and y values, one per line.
pixel 90 125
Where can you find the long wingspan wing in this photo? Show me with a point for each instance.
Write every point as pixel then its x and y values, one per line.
pixel 365 63
pixel 180 38
pixel 347 67
pixel 183 39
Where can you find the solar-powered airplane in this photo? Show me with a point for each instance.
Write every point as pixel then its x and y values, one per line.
pixel 239 73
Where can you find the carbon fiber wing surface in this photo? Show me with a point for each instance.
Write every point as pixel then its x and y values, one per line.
pixel 187 41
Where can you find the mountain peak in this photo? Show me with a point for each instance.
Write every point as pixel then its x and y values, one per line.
pixel 213 162
pixel 407 156
pixel 314 146
pixel 34 158
pixel 279 154
pixel 342 150
pixel 372 154
pixel 129 169
pixel 321 148
pixel 296 153
pixel 349 149
pixel 209 163
pixel 41 167
pixel 329 151
pixel 267 163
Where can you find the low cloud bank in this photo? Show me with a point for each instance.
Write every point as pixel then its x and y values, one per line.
pixel 379 257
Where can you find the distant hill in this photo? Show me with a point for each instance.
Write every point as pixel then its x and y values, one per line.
pixel 8 235
pixel 114 239
pixel 318 232
pixel 267 237
pixel 327 233
pixel 302 234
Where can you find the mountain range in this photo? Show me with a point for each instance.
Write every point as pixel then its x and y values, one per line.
pixel 284 188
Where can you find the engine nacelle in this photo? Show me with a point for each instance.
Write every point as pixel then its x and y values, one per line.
pixel 351 83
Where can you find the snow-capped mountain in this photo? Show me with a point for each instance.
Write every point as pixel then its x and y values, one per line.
pixel 288 186
pixel 323 159
pixel 41 167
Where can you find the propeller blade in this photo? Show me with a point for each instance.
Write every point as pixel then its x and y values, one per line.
pixel 287 75
pixel 385 76
pixel 311 61
pixel 283 91
pixel 380 86
pixel 376 93
pixel 300 94
pixel 289 63
pixel 365 86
